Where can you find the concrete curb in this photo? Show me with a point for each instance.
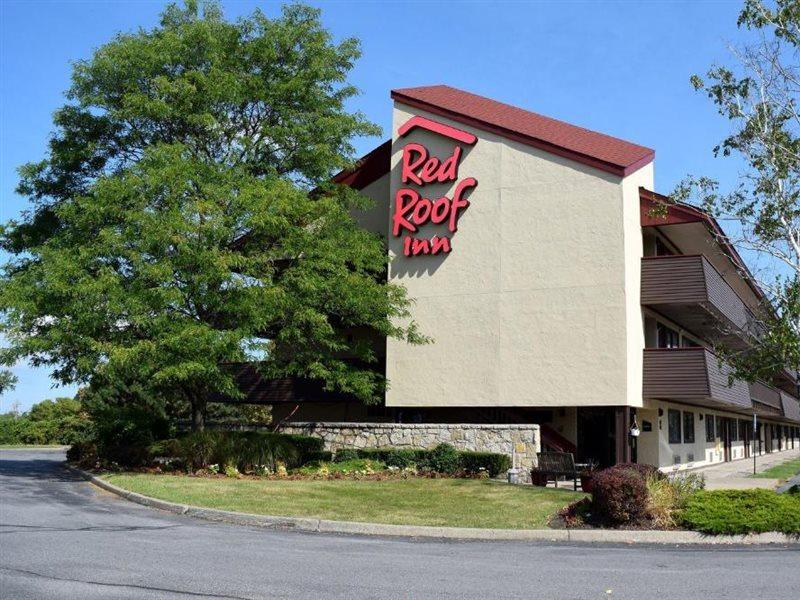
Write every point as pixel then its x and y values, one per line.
pixel 612 536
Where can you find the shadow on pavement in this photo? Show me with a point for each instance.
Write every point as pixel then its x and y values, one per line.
pixel 36 468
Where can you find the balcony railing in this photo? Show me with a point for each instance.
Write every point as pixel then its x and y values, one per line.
pixel 693 376
pixel 766 400
pixel 691 292
pixel 697 376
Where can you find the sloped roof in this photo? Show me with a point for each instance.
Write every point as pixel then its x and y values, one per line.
pixel 557 137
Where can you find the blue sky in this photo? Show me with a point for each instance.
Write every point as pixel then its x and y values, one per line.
pixel 617 67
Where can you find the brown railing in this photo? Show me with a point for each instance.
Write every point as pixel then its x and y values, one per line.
pixel 694 376
pixel 690 291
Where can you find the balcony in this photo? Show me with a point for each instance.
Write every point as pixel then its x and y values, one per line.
pixel 767 401
pixel 696 376
pixel 693 376
pixel 790 406
pixel 691 292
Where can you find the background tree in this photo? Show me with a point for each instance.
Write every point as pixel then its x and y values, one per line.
pixel 7 381
pixel 173 228
pixel 760 98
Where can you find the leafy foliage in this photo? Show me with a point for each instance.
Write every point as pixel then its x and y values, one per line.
pixel 619 496
pixel 59 421
pixel 742 511
pixel 248 450
pixel 7 381
pixel 668 496
pixel 443 459
pixel 183 219
pixel 761 98
pixel 84 455
pixel 493 463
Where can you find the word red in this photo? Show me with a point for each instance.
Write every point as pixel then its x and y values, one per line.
pixel 411 209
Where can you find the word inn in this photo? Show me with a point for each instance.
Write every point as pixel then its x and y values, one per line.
pixel 412 210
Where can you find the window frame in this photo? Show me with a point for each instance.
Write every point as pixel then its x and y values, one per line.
pixel 687 418
pixel 674 436
pixel 711 430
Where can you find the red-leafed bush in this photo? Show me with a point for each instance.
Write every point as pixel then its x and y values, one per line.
pixel 643 469
pixel 619 496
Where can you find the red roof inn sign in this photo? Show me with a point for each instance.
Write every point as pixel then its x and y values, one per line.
pixel 411 209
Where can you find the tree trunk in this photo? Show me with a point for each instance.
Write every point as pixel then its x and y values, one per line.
pixel 198 415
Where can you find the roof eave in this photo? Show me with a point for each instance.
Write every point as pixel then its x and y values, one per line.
pixel 592 161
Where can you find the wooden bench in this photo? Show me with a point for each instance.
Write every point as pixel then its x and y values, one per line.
pixel 555 465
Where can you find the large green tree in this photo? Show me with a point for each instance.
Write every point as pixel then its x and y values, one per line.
pixel 760 96
pixel 183 216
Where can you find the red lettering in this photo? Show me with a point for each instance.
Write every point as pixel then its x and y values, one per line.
pixel 449 170
pixel 420 247
pixel 439 210
pixel 440 244
pixel 430 170
pixel 436 245
pixel 459 201
pixel 401 208
pixel 418 167
pixel 422 211
pixel 410 162
pixel 407 245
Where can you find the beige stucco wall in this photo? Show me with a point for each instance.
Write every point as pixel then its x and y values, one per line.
pixel 654 447
pixel 538 302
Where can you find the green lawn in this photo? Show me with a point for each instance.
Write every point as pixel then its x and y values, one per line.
pixel 785 470
pixel 444 502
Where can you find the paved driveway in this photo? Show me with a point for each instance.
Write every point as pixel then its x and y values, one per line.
pixel 62 538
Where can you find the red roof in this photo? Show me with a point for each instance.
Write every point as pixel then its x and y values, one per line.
pixel 576 143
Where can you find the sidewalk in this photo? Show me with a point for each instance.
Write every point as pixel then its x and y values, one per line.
pixel 738 474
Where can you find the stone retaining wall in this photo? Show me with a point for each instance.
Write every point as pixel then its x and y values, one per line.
pixel 524 440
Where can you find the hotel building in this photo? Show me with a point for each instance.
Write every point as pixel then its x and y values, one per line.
pixel 558 288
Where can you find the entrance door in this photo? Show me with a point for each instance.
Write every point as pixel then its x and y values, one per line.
pixel 726 439
pixel 596 427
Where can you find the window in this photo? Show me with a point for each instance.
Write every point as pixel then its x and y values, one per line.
pixel 668 337
pixel 743 429
pixel 674 422
pixel 709 428
pixel 688 428
pixel 734 431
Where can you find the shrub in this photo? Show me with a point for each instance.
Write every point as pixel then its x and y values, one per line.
pixel 667 496
pixel 345 454
pixel 197 449
pixel 443 459
pixel 124 434
pixel 171 448
pixel 495 464
pixel 83 454
pixel 661 502
pixel 742 511
pixel 620 496
pixel 248 450
pixel 395 457
pixel 644 470
pixel 686 485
